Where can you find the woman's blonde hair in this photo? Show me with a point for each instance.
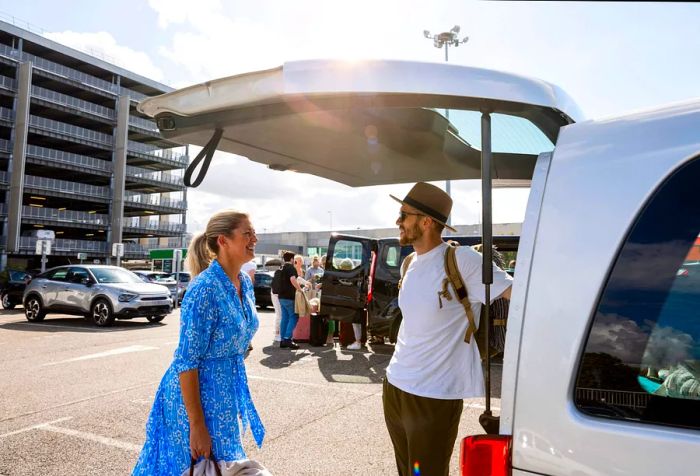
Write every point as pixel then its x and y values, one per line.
pixel 204 247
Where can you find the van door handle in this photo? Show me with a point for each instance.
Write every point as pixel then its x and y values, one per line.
pixel 345 282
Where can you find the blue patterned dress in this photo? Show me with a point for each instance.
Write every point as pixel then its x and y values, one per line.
pixel 215 330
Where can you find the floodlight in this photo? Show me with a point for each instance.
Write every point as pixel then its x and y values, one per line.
pixel 426 33
pixel 455 29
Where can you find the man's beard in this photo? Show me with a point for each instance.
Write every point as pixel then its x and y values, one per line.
pixel 411 235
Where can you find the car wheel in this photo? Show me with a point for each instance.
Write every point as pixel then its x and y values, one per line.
pixel 6 302
pixel 155 319
pixel 34 309
pixel 102 314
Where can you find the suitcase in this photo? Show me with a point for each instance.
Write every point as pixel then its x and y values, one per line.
pixel 347 335
pixel 302 330
pixel 318 332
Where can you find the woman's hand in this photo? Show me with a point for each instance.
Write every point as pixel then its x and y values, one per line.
pixel 200 441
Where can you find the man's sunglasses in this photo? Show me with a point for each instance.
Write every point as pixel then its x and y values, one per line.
pixel 403 215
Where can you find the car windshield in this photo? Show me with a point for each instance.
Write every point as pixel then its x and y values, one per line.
pixel 114 275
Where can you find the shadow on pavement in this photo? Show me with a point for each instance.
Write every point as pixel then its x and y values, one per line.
pixel 77 324
pixel 364 366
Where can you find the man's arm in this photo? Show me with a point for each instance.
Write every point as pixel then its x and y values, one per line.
pixel 506 294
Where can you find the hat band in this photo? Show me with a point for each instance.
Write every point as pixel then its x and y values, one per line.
pixel 425 209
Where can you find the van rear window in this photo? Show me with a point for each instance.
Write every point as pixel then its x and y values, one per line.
pixel 642 357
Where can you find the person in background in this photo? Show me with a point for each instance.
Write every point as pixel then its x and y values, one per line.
pixel 204 398
pixel 249 268
pixel 314 270
pixel 288 287
pixel 433 369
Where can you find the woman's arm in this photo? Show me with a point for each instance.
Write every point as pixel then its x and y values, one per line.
pixel 200 441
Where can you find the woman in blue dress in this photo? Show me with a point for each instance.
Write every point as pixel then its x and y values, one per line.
pixel 203 403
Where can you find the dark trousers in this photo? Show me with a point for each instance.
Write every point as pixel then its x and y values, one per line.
pixel 422 430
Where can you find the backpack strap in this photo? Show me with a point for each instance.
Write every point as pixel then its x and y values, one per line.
pixel 455 278
pixel 404 266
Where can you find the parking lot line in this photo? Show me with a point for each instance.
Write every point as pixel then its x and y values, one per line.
pixel 34 427
pixel 92 437
pixel 109 353
pixel 81 400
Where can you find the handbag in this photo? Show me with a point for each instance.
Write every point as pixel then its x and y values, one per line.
pixel 210 467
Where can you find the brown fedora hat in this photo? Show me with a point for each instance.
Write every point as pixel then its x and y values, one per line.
pixel 431 201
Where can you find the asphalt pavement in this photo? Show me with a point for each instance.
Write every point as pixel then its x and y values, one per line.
pixel 74 399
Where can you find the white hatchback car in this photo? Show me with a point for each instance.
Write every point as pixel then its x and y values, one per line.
pixel 601 373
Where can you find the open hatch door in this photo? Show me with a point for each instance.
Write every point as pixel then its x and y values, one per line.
pixel 373 123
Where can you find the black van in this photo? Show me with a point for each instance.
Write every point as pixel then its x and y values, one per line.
pixel 362 275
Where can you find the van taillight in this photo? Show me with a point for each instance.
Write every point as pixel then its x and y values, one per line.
pixel 486 455
pixel 370 284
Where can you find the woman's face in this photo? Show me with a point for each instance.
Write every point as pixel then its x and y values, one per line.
pixel 297 262
pixel 239 245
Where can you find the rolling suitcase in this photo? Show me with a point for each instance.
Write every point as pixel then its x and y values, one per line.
pixel 302 330
pixel 319 331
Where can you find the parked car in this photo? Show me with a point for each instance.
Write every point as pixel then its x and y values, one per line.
pixel 13 284
pixel 99 293
pixel 159 277
pixel 371 284
pixel 183 281
pixel 601 369
pixel 263 281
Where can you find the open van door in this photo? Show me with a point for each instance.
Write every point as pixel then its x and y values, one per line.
pixel 345 281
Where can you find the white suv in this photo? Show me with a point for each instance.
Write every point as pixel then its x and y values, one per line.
pixel 601 373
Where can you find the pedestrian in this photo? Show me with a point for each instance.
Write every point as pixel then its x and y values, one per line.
pixel 314 270
pixel 289 285
pixel 204 397
pixel 249 268
pixel 432 369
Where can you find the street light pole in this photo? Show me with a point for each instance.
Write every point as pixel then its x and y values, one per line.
pixel 446 38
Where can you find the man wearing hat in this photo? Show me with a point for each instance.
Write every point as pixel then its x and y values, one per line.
pixel 433 369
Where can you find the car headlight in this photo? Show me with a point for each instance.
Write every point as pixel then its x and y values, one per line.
pixel 126 297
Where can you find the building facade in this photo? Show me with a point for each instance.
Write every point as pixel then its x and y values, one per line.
pixel 77 158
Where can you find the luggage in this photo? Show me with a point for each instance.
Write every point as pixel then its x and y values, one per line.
pixel 347 335
pixel 319 331
pixel 302 330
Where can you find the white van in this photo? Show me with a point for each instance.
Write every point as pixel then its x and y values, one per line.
pixel 601 371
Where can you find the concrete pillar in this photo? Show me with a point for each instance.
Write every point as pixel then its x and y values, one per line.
pixel 119 175
pixel 19 156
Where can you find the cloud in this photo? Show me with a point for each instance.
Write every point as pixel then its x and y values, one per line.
pixel 657 346
pixel 104 46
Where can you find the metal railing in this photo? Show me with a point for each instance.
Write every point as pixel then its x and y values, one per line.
pixel 63 186
pixel 64 245
pixel 155 176
pixel 158 152
pixel 68 158
pixel 133 95
pixel 153 200
pixel 70 101
pixel 142 123
pixel 70 130
pixel 7 114
pixel 5 145
pixel 65 216
pixel 3 178
pixel 8 83
pixel 156 227
pixel 136 248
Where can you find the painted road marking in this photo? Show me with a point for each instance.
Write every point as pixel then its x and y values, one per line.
pixel 34 427
pixel 93 437
pixel 109 353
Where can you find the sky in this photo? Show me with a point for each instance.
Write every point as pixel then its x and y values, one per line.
pixel 612 58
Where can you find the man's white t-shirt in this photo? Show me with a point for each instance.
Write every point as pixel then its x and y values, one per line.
pixel 431 358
